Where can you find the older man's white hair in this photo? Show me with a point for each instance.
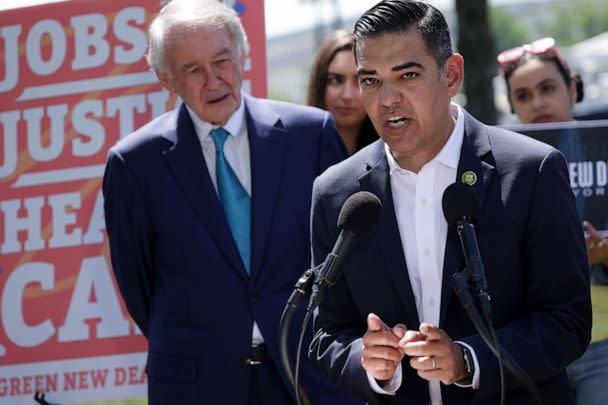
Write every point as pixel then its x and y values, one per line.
pixel 193 13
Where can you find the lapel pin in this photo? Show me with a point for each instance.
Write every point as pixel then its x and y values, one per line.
pixel 469 178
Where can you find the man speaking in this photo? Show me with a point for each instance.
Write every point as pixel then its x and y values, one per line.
pixel 391 329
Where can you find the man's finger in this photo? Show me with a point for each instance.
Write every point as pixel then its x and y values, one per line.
pixel 417 348
pixel 374 323
pixel 383 353
pixel 381 338
pixel 380 369
pixel 409 337
pixel 431 331
pixel 379 334
pixel 424 363
pixel 399 330
pixel 431 375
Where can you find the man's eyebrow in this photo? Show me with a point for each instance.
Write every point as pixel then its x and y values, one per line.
pixel 221 53
pixel 397 68
pixel 407 65
pixel 361 72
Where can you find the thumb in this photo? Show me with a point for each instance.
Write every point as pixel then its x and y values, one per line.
pixel 399 330
pixel 374 323
pixel 430 331
pixel 590 228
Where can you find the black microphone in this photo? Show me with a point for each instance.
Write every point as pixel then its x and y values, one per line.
pixel 461 210
pixel 357 219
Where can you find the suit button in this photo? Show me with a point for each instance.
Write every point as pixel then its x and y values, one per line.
pixel 253 301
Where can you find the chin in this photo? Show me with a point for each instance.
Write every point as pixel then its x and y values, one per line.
pixel 219 115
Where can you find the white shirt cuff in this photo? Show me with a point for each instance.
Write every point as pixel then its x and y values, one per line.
pixel 475 384
pixel 389 387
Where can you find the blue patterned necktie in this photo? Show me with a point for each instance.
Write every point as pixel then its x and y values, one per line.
pixel 236 201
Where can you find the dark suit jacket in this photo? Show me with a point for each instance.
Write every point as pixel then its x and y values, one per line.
pixel 177 265
pixel 532 246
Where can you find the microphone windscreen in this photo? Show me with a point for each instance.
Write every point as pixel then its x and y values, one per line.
pixel 359 213
pixel 459 201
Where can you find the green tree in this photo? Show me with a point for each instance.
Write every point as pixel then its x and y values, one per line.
pixel 507 30
pixel 577 20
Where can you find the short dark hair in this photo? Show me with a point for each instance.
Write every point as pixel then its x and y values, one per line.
pixel 399 16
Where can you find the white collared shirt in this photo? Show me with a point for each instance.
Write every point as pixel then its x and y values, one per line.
pixel 236 151
pixel 423 231
pixel 236 148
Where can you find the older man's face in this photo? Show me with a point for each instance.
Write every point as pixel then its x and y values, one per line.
pixel 204 68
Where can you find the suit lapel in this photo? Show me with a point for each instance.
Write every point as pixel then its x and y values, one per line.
pixel 267 146
pixel 185 159
pixel 377 181
pixel 475 156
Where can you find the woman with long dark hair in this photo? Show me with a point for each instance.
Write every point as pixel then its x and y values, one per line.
pixel 334 86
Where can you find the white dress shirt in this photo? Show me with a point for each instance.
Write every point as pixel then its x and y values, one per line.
pixel 423 231
pixel 236 151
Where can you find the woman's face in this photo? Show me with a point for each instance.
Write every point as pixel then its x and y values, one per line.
pixel 539 93
pixel 342 96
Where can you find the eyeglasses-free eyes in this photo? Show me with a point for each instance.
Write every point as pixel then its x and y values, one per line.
pixel 538 47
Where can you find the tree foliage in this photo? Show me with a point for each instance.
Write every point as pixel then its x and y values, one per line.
pixel 577 20
pixel 507 30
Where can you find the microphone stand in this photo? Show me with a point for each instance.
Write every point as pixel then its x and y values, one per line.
pixel 302 288
pixel 462 290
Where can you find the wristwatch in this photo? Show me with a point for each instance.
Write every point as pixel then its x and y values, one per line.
pixel 469 365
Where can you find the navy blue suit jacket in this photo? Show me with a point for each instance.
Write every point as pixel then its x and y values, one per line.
pixel 177 265
pixel 532 246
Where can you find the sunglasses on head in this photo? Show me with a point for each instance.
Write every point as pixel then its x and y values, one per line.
pixel 538 47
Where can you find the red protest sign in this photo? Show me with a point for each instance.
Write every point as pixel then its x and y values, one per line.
pixel 73 80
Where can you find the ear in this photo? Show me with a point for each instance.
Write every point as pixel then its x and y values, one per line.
pixel 454 73
pixel 572 92
pixel 163 78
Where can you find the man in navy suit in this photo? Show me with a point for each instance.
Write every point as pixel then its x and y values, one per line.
pixel 391 329
pixel 207 211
